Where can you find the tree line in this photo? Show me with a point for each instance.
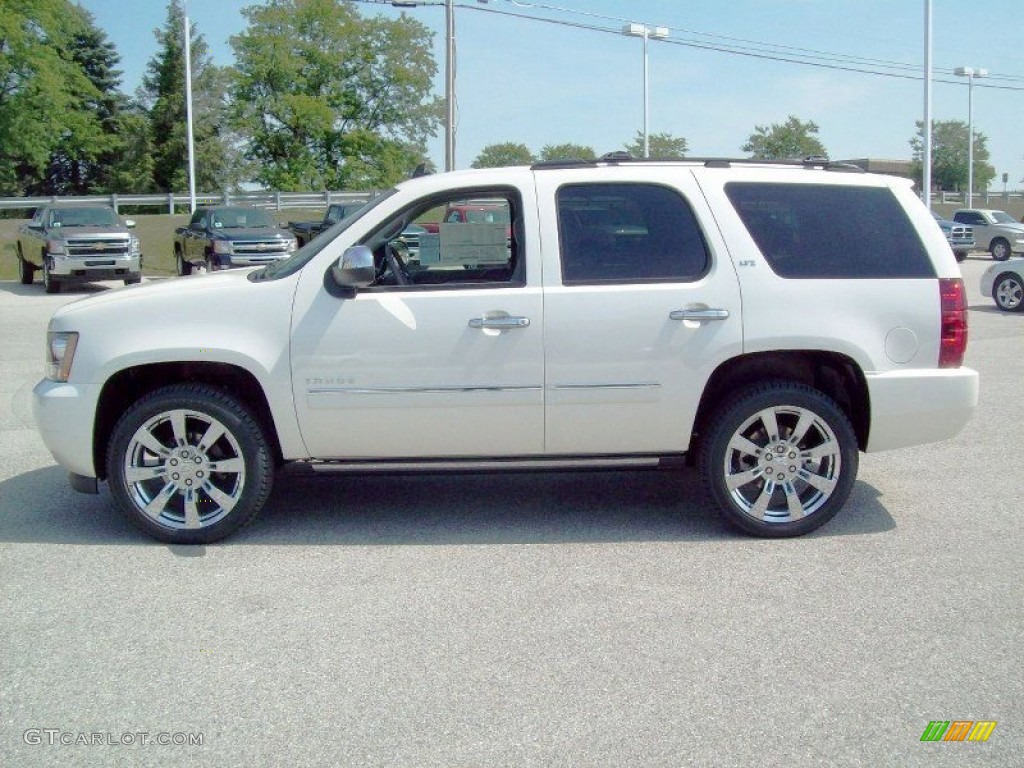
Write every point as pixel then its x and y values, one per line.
pixel 319 97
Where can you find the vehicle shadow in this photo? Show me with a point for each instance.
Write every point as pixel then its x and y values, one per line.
pixel 15 288
pixel 510 508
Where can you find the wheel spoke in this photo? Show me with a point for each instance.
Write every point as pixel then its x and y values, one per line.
pixel 771 425
pixel 178 425
pixel 743 445
pixel 826 450
pixel 213 434
pixel 191 511
pixel 230 466
pixel 740 479
pixel 141 474
pixel 760 507
pixel 796 507
pixel 152 443
pixel 223 500
pixel 156 507
pixel 802 425
pixel 823 484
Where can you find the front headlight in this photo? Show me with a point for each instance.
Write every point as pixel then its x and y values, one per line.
pixel 60 353
pixel 293 245
pixel 222 246
pixel 56 247
pixel 134 246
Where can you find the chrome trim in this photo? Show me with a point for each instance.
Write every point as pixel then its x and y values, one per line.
pixel 415 390
pixel 499 323
pixel 699 314
pixel 638 385
pixel 443 465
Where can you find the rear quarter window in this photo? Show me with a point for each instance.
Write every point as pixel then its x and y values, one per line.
pixel 828 231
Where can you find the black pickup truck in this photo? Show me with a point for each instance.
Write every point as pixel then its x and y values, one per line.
pixel 225 236
pixel 305 231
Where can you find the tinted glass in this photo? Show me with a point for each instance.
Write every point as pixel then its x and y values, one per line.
pixel 826 231
pixel 628 233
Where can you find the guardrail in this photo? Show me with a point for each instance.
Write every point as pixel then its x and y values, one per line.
pixel 276 200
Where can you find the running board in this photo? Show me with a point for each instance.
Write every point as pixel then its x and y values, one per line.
pixel 493 465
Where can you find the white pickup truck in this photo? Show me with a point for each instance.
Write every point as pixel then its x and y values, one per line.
pixel 764 321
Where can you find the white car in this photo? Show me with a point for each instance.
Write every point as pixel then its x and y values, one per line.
pixel 1004 283
pixel 764 321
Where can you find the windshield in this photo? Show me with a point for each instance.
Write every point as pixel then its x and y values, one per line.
pixel 298 260
pixel 1002 217
pixel 83 217
pixel 241 218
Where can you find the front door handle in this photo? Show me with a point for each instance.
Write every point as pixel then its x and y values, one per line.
pixel 699 314
pixel 502 323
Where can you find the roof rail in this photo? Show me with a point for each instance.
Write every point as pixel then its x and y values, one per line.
pixel 810 162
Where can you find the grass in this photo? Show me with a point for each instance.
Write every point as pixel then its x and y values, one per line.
pixel 156 231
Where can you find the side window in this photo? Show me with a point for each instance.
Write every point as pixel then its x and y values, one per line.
pixel 830 231
pixel 628 233
pixel 197 218
pixel 424 249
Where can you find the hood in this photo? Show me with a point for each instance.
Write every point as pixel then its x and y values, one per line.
pixel 255 233
pixel 196 293
pixel 92 233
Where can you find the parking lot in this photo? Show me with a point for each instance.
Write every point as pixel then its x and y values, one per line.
pixel 569 619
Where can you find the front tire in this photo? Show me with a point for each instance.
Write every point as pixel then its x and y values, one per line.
pixel 1000 249
pixel 1008 292
pixel 50 284
pixel 779 459
pixel 183 266
pixel 189 464
pixel 25 270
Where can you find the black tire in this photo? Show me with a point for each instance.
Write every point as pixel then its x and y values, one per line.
pixel 961 255
pixel 212 265
pixel 1000 249
pixel 808 476
pixel 196 493
pixel 183 266
pixel 25 270
pixel 133 280
pixel 1008 292
pixel 50 284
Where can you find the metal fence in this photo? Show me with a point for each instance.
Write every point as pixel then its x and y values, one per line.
pixel 171 201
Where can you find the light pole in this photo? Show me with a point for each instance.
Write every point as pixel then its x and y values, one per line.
pixel 188 113
pixel 970 73
pixel 658 33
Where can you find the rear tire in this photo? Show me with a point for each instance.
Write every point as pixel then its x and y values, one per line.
pixel 1000 249
pixel 779 459
pixel 189 464
pixel 1008 292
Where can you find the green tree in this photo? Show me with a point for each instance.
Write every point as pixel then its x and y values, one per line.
pixel 791 139
pixel 567 152
pixel 163 95
pixel 664 146
pixel 330 99
pixel 949 157
pixel 500 155
pixel 45 95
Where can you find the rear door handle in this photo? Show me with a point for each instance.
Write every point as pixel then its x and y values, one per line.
pixel 502 323
pixel 699 314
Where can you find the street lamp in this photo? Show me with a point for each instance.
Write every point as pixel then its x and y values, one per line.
pixel 970 73
pixel 658 33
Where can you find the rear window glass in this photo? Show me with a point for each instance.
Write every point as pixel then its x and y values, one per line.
pixel 826 231
pixel 628 233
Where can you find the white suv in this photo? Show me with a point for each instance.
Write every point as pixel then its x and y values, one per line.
pixel 765 321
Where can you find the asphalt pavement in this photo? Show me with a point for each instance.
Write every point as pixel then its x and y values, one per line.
pixel 570 619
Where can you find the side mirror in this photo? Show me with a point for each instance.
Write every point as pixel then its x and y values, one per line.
pixel 130 223
pixel 355 268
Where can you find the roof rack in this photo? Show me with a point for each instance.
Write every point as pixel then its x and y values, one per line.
pixel 617 158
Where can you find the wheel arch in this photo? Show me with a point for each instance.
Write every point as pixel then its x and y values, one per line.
pixel 130 384
pixel 831 373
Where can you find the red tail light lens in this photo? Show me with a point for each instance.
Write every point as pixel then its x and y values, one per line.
pixel 954 322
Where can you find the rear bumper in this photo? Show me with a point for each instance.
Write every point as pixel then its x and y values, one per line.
pixel 920 406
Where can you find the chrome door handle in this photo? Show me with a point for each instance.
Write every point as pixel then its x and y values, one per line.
pixel 503 323
pixel 699 314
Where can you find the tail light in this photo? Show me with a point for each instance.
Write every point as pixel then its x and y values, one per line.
pixel 953 345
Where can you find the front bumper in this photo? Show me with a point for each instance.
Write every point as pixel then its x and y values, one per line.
pixel 919 406
pixel 238 260
pixel 64 417
pixel 94 268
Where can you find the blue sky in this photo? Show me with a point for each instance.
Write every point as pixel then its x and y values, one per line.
pixel 542 83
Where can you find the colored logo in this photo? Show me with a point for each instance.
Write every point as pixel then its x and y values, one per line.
pixel 958 730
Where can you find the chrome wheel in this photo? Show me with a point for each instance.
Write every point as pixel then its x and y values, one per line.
pixel 779 459
pixel 1000 250
pixel 782 464
pixel 189 464
pixel 1009 293
pixel 184 469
